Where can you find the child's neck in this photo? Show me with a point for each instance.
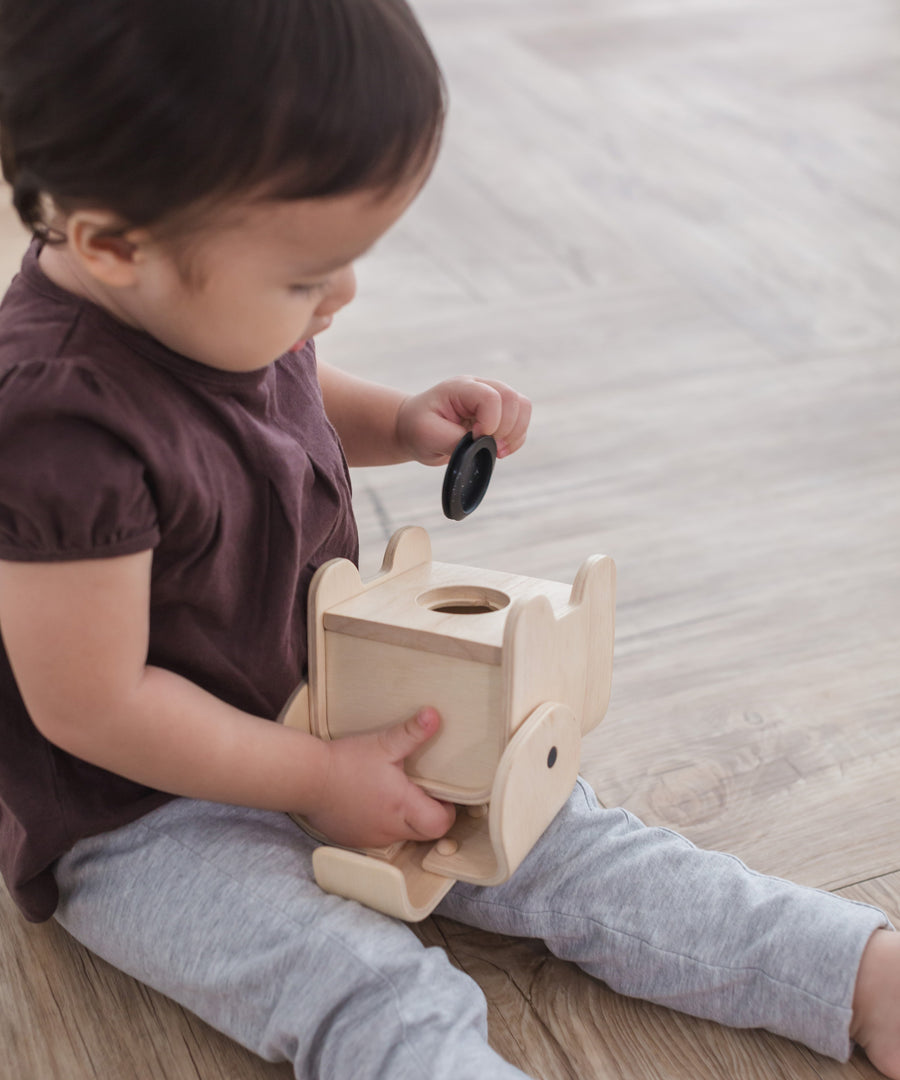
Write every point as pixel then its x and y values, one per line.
pixel 58 264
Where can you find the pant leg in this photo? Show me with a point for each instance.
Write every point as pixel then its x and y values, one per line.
pixel 217 907
pixel 654 917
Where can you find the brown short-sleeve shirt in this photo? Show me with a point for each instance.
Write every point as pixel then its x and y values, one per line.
pixel 110 444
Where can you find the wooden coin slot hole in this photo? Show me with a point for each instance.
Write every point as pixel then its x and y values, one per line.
pixel 463 600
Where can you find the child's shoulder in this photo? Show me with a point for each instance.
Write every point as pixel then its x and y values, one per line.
pixel 43 328
pixel 60 352
pixel 35 315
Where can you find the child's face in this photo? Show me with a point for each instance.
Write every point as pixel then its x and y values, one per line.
pixel 265 277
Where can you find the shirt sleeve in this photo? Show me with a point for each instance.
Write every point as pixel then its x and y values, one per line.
pixel 72 486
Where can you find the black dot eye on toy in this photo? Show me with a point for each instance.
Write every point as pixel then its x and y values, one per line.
pixel 468 475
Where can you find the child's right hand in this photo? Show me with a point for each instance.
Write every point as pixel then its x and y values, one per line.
pixel 367 800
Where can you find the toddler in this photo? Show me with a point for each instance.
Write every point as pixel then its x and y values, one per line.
pixel 199 177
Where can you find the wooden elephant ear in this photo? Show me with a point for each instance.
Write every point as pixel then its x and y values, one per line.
pixel 593 602
pixel 565 655
pixel 408 547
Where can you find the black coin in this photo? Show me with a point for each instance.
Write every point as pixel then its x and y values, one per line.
pixel 468 475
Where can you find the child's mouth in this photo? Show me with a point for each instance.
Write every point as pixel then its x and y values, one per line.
pixel 322 324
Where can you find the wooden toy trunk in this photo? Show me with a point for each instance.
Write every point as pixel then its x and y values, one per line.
pixel 519 669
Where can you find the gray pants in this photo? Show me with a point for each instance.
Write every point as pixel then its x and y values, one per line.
pixel 216 907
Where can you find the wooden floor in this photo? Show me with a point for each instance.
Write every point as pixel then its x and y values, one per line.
pixel 675 224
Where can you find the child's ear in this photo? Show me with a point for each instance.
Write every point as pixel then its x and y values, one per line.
pixel 109 253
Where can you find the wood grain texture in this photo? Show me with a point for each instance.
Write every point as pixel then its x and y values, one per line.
pixel 675 226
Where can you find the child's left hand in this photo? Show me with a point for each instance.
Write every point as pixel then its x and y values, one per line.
pixel 430 424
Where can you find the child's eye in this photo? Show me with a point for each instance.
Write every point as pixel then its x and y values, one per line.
pixel 313 287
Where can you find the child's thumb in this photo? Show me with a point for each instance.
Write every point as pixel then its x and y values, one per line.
pixel 400 740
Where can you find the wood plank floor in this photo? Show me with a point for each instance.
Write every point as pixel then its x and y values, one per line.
pixel 676 225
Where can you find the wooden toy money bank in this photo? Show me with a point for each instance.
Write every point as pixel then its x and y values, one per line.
pixel 519 670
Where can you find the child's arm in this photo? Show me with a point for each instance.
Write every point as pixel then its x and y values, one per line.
pixel 76 634
pixel 380 426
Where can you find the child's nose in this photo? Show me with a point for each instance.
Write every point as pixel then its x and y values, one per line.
pixel 342 289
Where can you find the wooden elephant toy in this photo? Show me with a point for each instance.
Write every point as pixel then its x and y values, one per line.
pixel 519 670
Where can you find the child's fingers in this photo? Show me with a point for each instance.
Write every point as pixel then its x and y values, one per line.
pixel 512 423
pixel 478 402
pixel 517 432
pixel 426 817
pixel 400 740
pixel 431 424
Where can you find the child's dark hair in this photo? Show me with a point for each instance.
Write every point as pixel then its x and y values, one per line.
pixel 149 108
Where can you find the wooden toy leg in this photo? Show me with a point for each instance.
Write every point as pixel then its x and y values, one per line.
pixel 401 888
